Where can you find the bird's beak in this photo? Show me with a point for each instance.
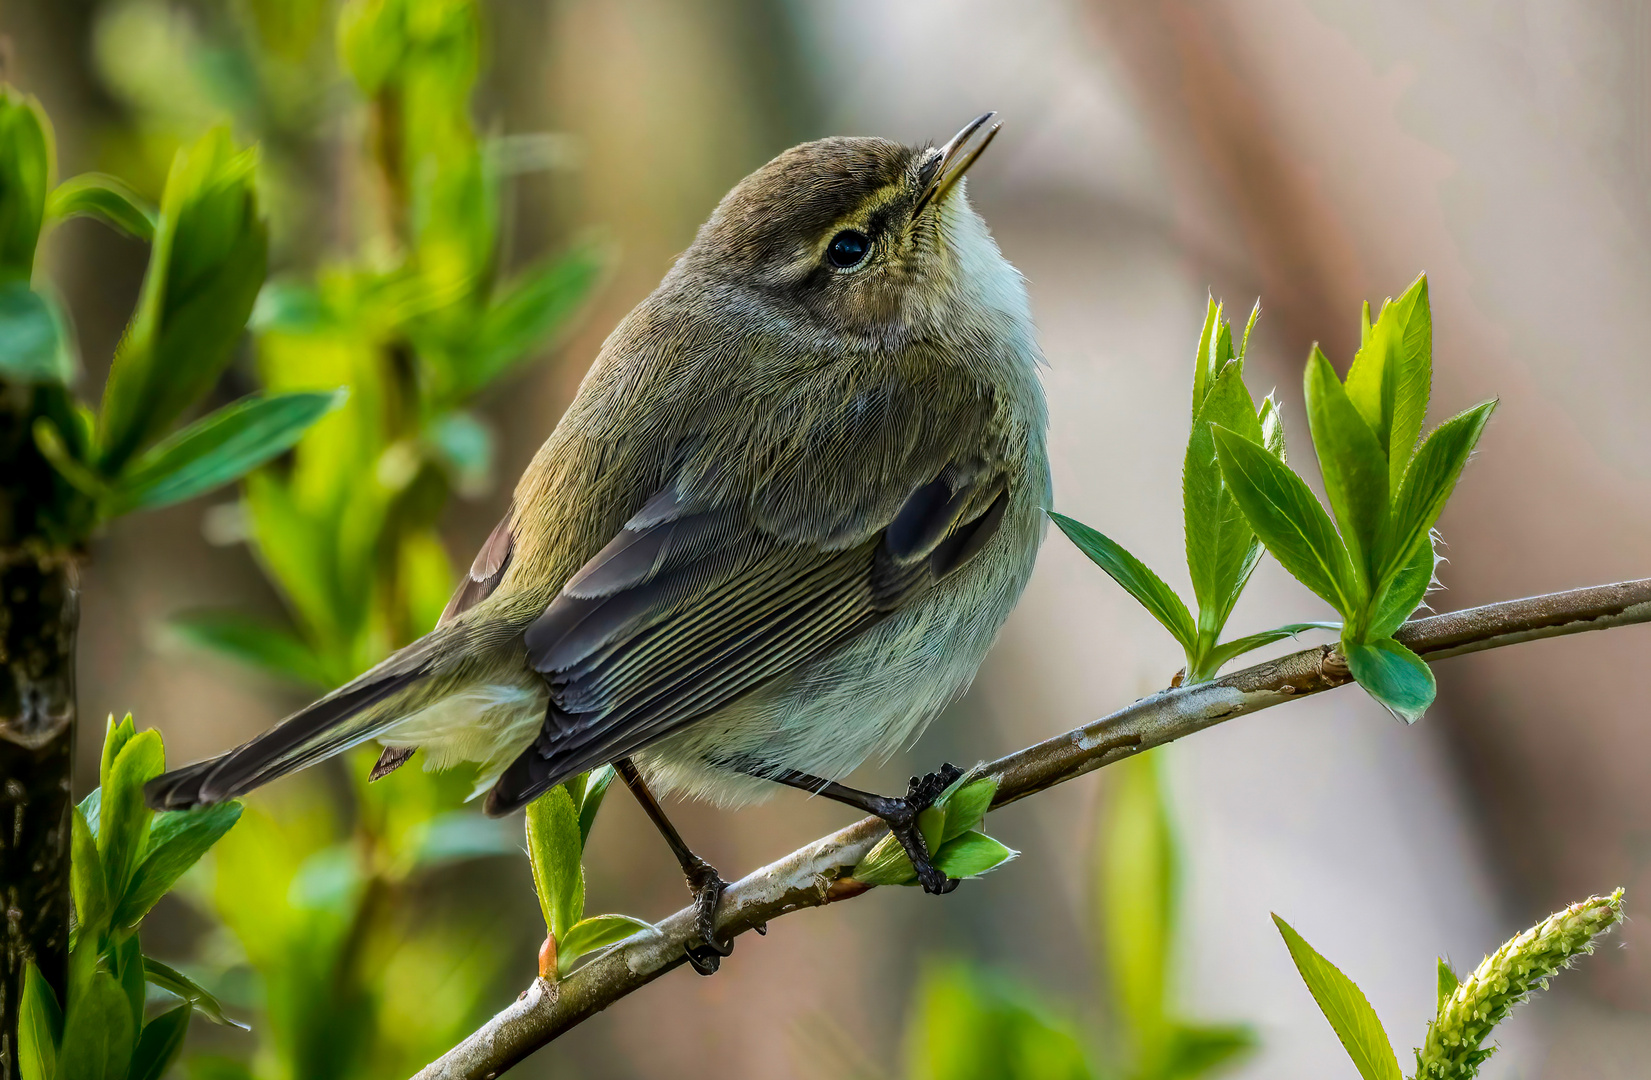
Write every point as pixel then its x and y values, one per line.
pixel 953 160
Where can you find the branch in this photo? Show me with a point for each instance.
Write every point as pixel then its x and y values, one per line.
pixel 818 874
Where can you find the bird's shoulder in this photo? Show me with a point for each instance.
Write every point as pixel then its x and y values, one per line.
pixel 795 438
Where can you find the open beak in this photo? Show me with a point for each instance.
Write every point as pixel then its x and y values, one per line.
pixel 954 160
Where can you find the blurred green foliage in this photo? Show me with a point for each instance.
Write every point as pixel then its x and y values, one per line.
pixel 333 906
pixel 69 468
pixel 124 860
pixel 966 1022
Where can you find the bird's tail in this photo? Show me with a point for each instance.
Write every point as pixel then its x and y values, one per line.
pixel 312 734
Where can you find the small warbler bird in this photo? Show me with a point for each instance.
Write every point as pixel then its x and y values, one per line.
pixel 777 530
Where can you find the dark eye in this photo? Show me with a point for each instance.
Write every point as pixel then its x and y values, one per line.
pixel 848 249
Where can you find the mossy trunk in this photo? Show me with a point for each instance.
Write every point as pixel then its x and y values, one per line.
pixel 39 610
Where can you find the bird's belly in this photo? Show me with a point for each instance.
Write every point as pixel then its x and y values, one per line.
pixel 866 698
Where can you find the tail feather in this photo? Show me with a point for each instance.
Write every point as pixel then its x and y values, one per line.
pixel 310 735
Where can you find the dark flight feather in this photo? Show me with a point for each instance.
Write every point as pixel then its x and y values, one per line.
pixel 689 608
pixel 302 739
pixel 486 571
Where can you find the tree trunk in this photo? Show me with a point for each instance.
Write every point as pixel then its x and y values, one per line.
pixel 39 611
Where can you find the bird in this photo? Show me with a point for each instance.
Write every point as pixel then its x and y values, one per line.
pixel 777 530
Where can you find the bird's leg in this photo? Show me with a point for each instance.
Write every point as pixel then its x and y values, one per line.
pixel 899 813
pixel 703 879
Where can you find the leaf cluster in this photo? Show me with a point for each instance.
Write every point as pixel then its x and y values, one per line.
pixel 416 324
pixel 1222 547
pixel 558 827
pixel 951 829
pixel 1371 556
pixel 327 906
pixel 1468 1010
pixel 1374 562
pixel 321 937
pixel 208 248
pixel 123 860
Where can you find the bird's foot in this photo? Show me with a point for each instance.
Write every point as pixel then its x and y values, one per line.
pixel 707 886
pixel 901 817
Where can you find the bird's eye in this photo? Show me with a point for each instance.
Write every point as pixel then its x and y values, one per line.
pixel 848 249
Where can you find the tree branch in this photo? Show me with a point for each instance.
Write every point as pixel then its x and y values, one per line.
pixel 818 874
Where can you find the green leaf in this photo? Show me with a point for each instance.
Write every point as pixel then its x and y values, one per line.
pixel 1344 1005
pixel 529 314
pixel 26 163
pixel 1224 653
pixel 885 864
pixel 1352 463
pixel 1140 582
pixel 287 307
pixel 39 1027
pixel 50 441
pixel 176 982
pixel 1272 427
pixel 596 788
pixel 246 640
pixel 218 448
pixel 1287 518
pixel 87 879
pixel 598 932
pixel 969 1025
pixel 1202 374
pixel 100 196
pixel 971 855
pixel 1136 885
pixel 966 808
pixel 1393 675
pixel 127 958
pixel 1447 982
pixel 116 735
pixel 124 829
pixel 1390 378
pixel 205 268
pixel 1249 328
pixel 35 345
pixel 177 840
pixel 1222 549
pixel 300 552
pixel 553 849
pixel 1403 592
pixel 159 1044
pixel 1197 1050
pixel 1432 477
pixel 91 808
pixel 97 1034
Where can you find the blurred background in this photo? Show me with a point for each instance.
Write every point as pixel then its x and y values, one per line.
pixel 1315 153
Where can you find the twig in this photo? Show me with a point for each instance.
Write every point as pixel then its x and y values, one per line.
pixel 818 874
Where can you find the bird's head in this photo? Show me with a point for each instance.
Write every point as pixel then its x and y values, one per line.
pixel 864 238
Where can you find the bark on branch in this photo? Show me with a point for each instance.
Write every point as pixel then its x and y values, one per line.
pixel 818 874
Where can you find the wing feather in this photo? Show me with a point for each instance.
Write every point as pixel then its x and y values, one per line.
pixel 691 607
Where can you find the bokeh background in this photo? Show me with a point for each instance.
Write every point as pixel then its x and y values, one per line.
pixel 1316 153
